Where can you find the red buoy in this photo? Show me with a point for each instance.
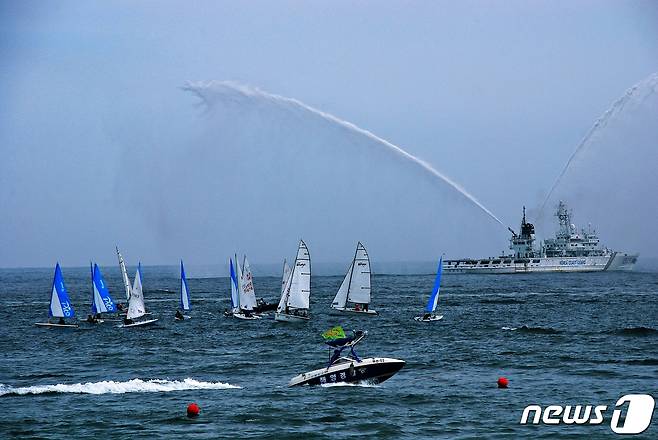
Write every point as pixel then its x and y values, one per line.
pixel 193 410
pixel 503 382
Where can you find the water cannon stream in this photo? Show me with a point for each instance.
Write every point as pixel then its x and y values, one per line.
pixel 228 91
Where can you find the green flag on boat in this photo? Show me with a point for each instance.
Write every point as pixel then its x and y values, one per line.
pixel 334 333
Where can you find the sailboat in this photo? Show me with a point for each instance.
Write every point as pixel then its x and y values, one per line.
pixel 184 296
pixel 101 301
pixel 295 299
pixel 434 298
pixel 355 287
pixel 136 307
pixel 242 302
pixel 260 306
pixel 60 305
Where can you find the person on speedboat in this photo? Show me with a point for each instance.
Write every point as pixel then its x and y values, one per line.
pixel 179 315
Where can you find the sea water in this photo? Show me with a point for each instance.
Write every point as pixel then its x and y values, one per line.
pixel 559 338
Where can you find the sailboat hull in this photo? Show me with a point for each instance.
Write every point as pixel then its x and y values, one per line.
pixel 48 324
pixel 369 370
pixel 284 317
pixel 245 317
pixel 140 323
pixel 430 319
pixel 358 312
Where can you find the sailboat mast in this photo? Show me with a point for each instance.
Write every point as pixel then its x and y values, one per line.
pixel 349 281
pixel 93 296
pixel 124 274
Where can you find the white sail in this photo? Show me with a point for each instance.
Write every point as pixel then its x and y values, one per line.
pixel 285 282
pixel 136 306
pixel 245 303
pixel 359 288
pixel 249 292
pixel 286 275
pixel 124 274
pixel 299 289
pixel 341 297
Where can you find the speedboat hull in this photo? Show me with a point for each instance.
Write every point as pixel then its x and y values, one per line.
pixel 284 317
pixel 358 312
pixel 371 370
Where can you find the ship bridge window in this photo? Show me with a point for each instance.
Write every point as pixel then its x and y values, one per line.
pixel 495 262
pixel 535 261
pixel 507 261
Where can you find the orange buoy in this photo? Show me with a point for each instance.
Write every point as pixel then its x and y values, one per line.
pixel 193 410
pixel 502 382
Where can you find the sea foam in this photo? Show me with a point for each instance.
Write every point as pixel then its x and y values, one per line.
pixel 112 387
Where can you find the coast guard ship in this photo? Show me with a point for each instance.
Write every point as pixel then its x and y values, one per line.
pixel 570 251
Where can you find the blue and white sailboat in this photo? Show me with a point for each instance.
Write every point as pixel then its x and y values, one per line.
pixel 60 304
pixel 241 301
pixel 101 301
pixel 433 300
pixel 185 303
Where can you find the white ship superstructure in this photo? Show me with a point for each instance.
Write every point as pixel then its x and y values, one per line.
pixel 570 251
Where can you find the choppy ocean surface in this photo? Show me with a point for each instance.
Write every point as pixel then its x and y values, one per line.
pixel 558 338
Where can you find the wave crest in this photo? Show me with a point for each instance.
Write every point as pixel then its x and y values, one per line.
pixel 112 387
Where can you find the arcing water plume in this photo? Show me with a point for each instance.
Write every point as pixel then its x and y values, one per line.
pixel 638 93
pixel 227 91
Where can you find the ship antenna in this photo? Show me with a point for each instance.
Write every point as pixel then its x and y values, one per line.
pixel 524 215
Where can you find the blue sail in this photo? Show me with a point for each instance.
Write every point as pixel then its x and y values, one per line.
pixel 60 305
pixel 434 297
pixel 235 301
pixel 184 291
pixel 102 301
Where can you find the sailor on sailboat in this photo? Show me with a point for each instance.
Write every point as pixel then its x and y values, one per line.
pixel 355 287
pixel 295 299
pixel 349 368
pixel 185 303
pixel 101 301
pixel 136 307
pixel 242 301
pixel 60 304
pixel 434 298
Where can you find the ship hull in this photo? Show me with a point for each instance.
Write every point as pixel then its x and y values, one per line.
pixel 617 261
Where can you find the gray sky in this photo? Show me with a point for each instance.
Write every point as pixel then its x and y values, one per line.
pixel 100 146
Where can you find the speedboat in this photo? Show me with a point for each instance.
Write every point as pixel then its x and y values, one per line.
pixel 349 368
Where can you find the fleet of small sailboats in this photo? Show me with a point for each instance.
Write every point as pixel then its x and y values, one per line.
pixel 354 294
pixel 295 298
pixel 356 288
pixel 433 300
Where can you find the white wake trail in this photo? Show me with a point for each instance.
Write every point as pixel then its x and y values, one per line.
pixel 112 387
pixel 233 92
